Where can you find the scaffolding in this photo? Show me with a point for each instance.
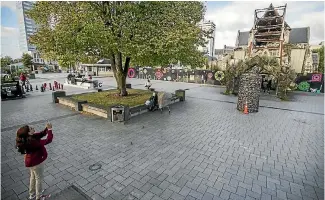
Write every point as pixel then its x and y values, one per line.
pixel 269 29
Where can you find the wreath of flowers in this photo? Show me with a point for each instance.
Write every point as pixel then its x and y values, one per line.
pixel 219 75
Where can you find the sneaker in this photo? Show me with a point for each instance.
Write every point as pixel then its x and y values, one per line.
pixel 33 196
pixel 44 197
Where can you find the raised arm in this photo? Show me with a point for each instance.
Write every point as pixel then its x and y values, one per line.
pixel 41 134
pixel 49 138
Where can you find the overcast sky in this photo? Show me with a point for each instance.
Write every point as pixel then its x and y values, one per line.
pixel 228 16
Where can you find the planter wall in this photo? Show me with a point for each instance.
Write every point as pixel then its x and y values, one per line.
pixel 67 102
pixel 106 112
pixel 94 110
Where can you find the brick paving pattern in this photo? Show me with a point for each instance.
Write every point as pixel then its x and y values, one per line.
pixel 205 149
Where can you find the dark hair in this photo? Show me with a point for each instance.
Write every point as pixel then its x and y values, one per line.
pixel 22 138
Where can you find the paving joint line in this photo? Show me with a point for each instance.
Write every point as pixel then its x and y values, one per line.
pixel 40 121
pixel 270 107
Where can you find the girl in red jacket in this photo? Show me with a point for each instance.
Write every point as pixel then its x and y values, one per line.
pixel 30 143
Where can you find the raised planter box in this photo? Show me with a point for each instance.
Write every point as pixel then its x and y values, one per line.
pixel 67 102
pixel 105 112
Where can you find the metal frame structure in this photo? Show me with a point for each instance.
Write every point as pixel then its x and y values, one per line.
pixel 269 30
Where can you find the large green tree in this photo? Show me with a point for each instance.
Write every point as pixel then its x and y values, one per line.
pixel 27 60
pixel 144 32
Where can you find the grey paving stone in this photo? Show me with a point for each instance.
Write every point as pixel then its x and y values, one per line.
pixel 176 196
pixel 190 198
pixel 166 194
pixel 146 187
pixel 195 194
pixel 148 196
pixel 156 190
pixel 235 196
pixel 117 195
pixel 207 196
pixel 175 148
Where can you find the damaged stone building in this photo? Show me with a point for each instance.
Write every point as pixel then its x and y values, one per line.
pixel 272 36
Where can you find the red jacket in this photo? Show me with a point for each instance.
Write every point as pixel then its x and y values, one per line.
pixel 35 151
pixel 22 77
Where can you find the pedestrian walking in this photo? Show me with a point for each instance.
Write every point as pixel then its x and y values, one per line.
pixel 265 82
pixel 148 84
pixel 269 85
pixel 31 144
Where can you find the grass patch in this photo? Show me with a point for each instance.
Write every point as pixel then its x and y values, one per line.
pixel 109 98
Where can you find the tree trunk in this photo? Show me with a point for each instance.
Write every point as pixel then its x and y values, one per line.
pixel 120 72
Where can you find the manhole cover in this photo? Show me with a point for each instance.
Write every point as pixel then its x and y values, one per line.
pixel 95 167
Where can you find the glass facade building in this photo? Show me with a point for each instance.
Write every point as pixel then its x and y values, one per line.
pixel 27 26
pixel 209 47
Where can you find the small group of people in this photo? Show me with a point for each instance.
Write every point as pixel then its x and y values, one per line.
pixel 30 144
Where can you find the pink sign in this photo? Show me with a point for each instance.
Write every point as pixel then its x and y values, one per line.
pixel 316 78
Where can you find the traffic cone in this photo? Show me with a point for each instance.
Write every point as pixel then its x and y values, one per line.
pixel 245 108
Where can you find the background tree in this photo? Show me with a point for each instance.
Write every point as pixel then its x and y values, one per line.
pixel 150 33
pixel 5 61
pixel 27 60
pixel 321 59
pixel 283 75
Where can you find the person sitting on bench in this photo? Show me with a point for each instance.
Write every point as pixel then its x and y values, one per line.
pixel 148 84
pixel 152 103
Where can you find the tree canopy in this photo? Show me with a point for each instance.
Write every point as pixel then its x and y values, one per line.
pixel 5 61
pixel 27 60
pixel 321 59
pixel 142 32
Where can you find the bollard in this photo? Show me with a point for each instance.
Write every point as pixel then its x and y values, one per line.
pixel 50 86
pixel 42 88
pixel 27 88
pixel 53 89
pixel 31 88
pixel 36 88
pixel 59 86
pixel 56 85
pixel 62 86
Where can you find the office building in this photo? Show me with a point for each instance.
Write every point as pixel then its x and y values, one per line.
pixel 210 27
pixel 27 28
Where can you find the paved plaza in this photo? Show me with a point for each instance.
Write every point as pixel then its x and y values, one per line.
pixel 205 149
